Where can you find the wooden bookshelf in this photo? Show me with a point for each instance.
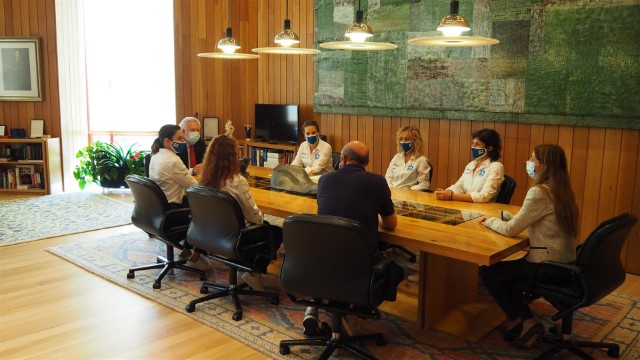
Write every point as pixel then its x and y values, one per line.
pixel 253 150
pixel 40 155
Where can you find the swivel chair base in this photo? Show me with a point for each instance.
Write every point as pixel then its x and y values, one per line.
pixel 166 265
pixel 335 341
pixel 232 290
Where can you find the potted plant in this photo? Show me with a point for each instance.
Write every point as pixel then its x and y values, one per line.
pixel 107 164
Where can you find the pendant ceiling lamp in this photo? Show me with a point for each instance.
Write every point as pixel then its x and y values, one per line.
pixel 358 33
pixel 452 26
pixel 285 39
pixel 228 44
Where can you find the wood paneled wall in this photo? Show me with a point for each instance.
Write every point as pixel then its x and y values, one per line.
pixel 229 89
pixel 20 18
pixel 604 163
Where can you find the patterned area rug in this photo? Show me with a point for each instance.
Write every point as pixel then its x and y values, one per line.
pixel 41 217
pixel 616 318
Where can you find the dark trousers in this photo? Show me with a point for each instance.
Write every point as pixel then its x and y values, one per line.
pixel 506 281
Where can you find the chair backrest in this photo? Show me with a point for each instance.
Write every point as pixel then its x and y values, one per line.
pixel 328 257
pixel 150 204
pixel 599 257
pixel 147 161
pixel 335 160
pixel 506 190
pixel 216 221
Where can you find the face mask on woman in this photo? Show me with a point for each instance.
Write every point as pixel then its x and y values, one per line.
pixel 407 146
pixel 531 169
pixel 179 147
pixel 311 139
pixel 193 138
pixel 477 152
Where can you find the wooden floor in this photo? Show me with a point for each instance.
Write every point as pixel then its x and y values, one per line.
pixel 49 308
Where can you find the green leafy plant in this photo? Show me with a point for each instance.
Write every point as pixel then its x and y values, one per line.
pixel 107 164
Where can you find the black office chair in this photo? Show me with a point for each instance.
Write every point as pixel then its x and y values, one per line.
pixel 147 161
pixel 153 215
pixel 218 227
pixel 430 177
pixel 330 265
pixel 596 273
pixel 335 160
pixel 506 190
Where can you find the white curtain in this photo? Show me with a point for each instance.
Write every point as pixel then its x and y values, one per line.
pixel 72 84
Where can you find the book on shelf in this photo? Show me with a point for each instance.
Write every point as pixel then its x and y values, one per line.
pixel 25 176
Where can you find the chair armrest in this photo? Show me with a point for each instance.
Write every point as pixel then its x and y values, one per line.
pixel 572 269
pixel 177 217
pixel 255 234
pixel 381 266
pixel 385 277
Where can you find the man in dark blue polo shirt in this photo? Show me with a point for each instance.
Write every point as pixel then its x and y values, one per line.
pixel 354 193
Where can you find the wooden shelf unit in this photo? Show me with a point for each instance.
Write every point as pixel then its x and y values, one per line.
pixel 42 154
pixel 254 155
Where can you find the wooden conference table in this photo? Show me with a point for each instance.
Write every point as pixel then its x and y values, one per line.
pixel 449 256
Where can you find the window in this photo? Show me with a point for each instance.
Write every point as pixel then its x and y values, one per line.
pixel 130 68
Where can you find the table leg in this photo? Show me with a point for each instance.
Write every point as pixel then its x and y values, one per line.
pixel 447 299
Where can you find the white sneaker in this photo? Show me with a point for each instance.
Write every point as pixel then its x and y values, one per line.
pixel 200 264
pixel 254 280
pixel 413 278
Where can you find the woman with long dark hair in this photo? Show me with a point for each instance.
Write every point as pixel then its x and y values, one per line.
pixel 170 173
pixel 550 214
pixel 221 170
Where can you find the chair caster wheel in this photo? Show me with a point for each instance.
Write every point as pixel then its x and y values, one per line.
pixel 275 301
pixel 412 259
pixel 203 277
pixel 614 352
pixel 237 316
pixel 156 285
pixel 190 308
pixel 284 350
pixel 131 275
pixel 204 290
pixel 380 341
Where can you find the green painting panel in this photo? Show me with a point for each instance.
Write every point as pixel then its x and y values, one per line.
pixel 591 62
pixel 573 63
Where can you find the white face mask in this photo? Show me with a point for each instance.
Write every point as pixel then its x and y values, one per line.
pixel 531 169
pixel 192 138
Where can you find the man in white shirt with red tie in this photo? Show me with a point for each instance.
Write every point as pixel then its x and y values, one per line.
pixel 192 158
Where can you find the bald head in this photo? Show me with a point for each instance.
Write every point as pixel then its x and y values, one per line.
pixel 355 152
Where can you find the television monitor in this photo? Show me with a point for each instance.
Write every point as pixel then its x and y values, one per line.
pixel 276 123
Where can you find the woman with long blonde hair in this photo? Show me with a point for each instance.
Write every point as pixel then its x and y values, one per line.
pixel 550 214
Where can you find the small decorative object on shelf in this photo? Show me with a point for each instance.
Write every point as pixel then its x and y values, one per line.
pixel 229 128
pixel 247 131
pixel 107 165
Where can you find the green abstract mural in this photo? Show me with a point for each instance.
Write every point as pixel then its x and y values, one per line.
pixel 574 62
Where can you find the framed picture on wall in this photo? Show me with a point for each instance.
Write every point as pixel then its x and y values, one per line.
pixel 20 64
pixel 210 127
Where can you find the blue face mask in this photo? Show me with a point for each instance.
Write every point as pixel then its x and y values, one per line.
pixel 312 139
pixel 531 169
pixel 477 152
pixel 179 147
pixel 407 146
